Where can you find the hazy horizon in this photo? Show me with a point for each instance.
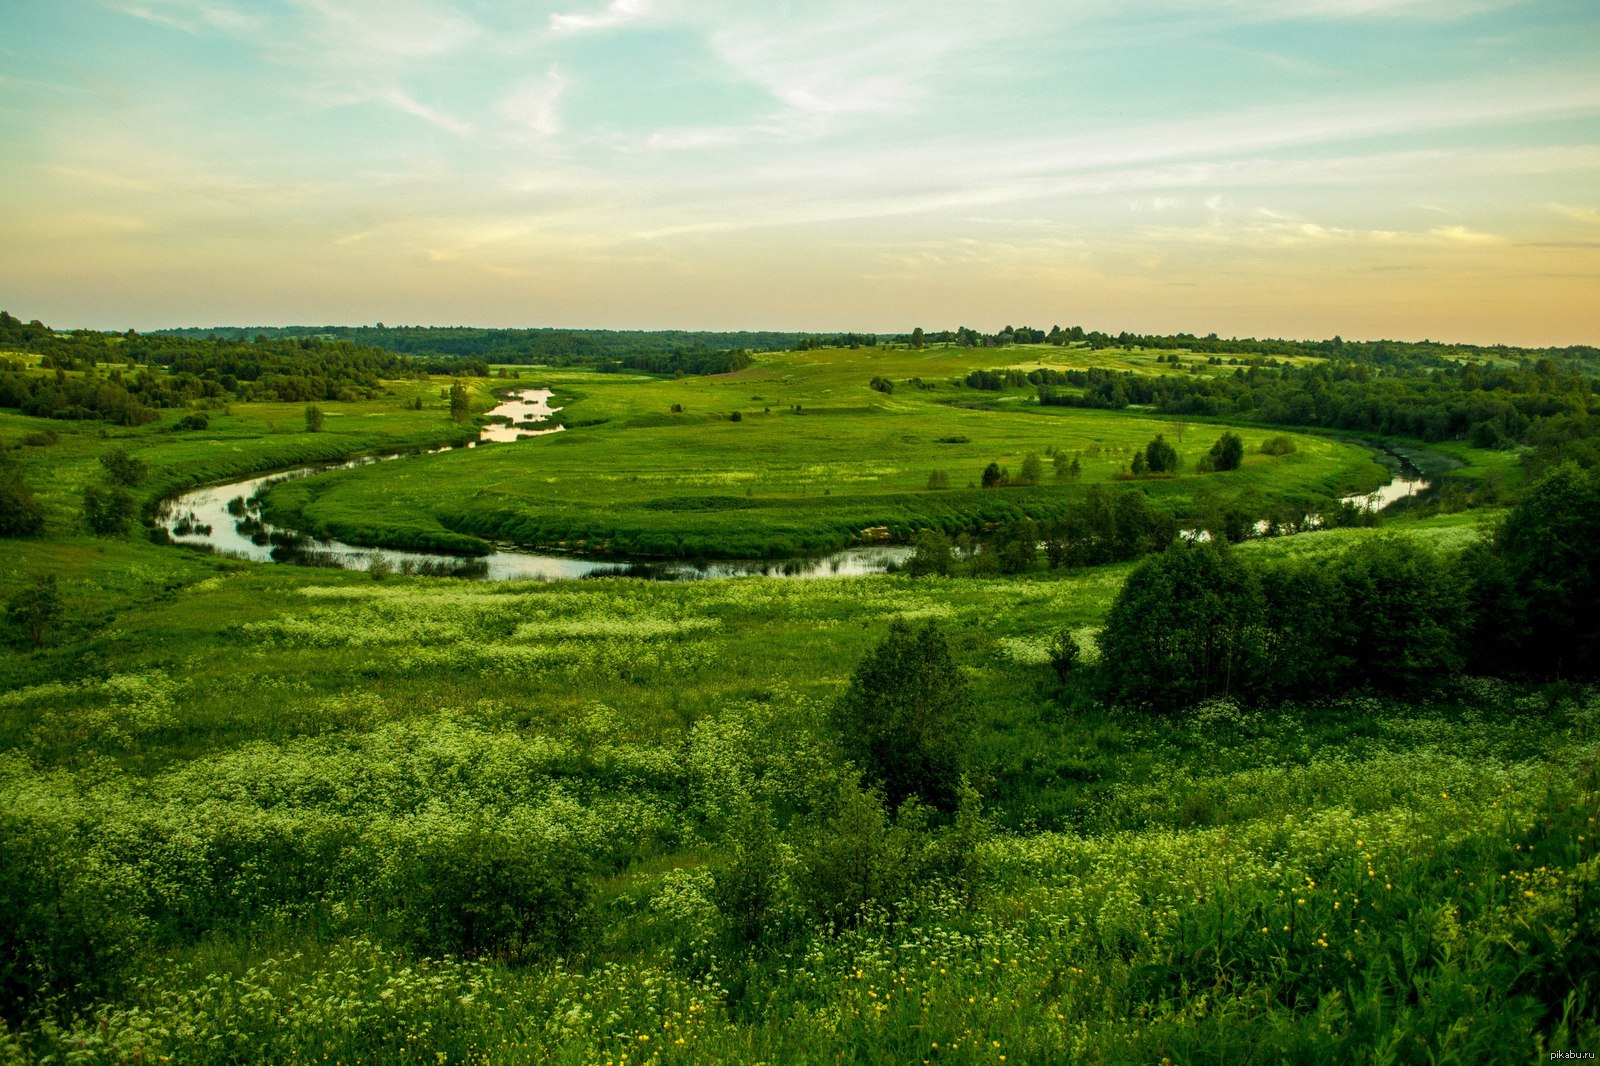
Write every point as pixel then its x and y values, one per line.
pixel 1401 169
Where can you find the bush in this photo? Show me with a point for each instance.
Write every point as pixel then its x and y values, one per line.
pixel 857 857
pixel 1160 457
pixel 1279 445
pixel 20 513
pixel 907 719
pixel 882 384
pixel 190 423
pixel 938 479
pixel 1550 546
pixel 34 608
pixel 108 510
pixel 69 920
pixel 314 418
pixel 125 469
pixel 1228 452
pixel 471 887
pixel 1064 654
pixel 1184 628
pixel 749 880
pixel 933 554
pixel 1400 617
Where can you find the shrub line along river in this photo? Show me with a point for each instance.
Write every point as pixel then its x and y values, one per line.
pixel 215 518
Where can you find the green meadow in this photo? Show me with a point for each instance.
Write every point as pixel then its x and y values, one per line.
pixel 655 467
pixel 280 814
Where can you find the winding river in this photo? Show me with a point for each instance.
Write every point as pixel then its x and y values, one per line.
pixel 226 519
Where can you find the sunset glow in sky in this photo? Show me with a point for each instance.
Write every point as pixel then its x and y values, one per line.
pixel 1401 168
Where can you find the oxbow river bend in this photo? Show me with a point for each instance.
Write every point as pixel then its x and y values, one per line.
pixel 221 518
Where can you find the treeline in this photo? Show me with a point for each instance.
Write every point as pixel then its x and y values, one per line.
pixel 1378 352
pixel 1554 412
pixel 649 351
pixel 1200 622
pixel 278 365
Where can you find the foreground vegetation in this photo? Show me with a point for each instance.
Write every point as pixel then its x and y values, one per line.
pixel 267 813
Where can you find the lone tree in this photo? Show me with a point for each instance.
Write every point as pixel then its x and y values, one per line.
pixel 20 513
pixel 1161 457
pixel 907 718
pixel 1228 452
pixel 314 418
pixel 125 469
pixel 108 510
pixel 34 608
pixel 460 405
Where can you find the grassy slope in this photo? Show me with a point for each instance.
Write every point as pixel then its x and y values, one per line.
pixel 817 458
pixel 223 731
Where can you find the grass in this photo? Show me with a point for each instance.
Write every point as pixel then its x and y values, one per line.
pixel 817 458
pixel 221 775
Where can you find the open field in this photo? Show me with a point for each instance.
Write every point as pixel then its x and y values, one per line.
pixel 266 813
pixel 656 467
pixel 242 763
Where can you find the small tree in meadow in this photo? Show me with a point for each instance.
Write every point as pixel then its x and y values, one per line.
pixel 34 608
pixel 1228 452
pixel 314 418
pixel 907 718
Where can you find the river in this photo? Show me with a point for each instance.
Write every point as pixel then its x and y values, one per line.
pixel 226 519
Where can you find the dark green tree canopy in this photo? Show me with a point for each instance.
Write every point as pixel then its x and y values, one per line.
pixel 1184 628
pixel 907 718
pixel 1228 452
pixel 1550 548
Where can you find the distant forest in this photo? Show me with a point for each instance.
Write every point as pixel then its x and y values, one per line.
pixel 1542 399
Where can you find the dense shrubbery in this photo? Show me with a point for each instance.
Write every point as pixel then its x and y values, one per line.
pixel 1197 623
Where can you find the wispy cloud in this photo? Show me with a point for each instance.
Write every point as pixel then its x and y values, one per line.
pixel 534 106
pixel 1582 214
pixel 617 13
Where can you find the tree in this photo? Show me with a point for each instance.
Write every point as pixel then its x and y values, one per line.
pixel 907 718
pixel 108 510
pixel 1161 457
pixel 939 479
pixel 1032 470
pixel 1020 550
pixel 917 338
pixel 1228 452
pixel 1404 613
pixel 1140 463
pixel 1550 546
pixel 933 554
pixel 20 513
pixel 125 469
pixel 1064 654
pixel 314 418
pixel 34 608
pixel 993 476
pixel 1184 628
pixel 460 403
pixel 881 384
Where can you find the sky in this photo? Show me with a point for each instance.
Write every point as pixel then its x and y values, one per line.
pixel 1301 168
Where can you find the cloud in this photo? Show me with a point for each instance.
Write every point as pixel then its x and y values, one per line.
pixel 1582 214
pixel 405 103
pixel 617 13
pixel 194 16
pixel 534 106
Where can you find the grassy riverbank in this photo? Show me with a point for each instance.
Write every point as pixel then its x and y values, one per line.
pixel 657 467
